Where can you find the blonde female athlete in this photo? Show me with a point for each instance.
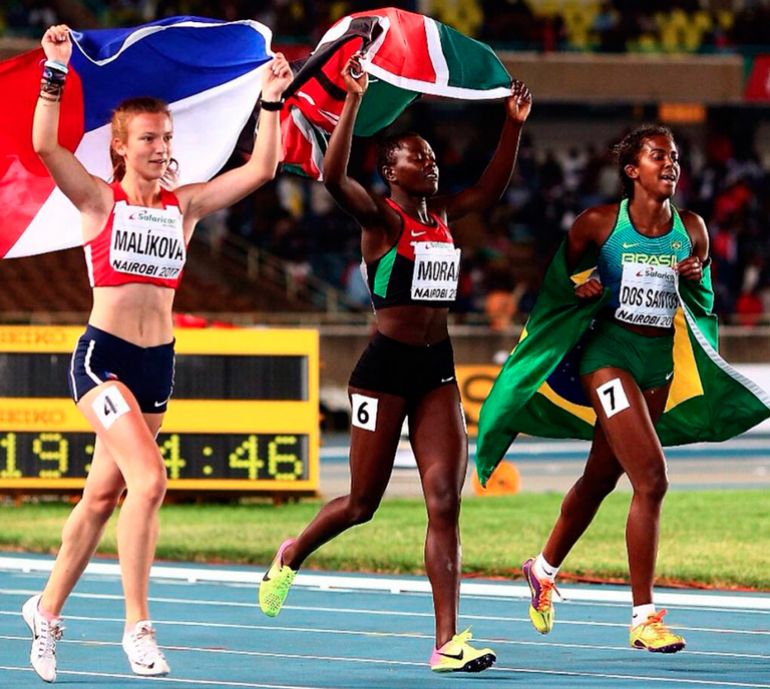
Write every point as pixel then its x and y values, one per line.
pixel 135 234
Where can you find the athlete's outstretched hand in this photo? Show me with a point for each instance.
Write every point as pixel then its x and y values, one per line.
pixel 590 289
pixel 519 103
pixel 691 268
pixel 56 44
pixel 356 80
pixel 277 77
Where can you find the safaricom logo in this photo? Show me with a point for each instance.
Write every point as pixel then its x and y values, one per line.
pixel 652 272
pixel 147 216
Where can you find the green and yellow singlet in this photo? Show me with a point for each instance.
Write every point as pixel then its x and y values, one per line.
pixel 639 271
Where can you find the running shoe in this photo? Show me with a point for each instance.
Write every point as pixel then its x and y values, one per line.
pixel 655 636
pixel 541 610
pixel 276 583
pixel 141 647
pixel 45 634
pixel 458 655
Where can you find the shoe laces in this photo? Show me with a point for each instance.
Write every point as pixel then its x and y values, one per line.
pixel 547 587
pixel 655 625
pixel 50 633
pixel 144 645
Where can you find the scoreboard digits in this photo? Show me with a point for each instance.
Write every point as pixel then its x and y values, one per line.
pixel 244 416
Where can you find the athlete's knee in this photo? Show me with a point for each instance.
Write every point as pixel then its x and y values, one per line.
pixel 99 505
pixel 150 486
pixel 443 505
pixel 653 486
pixel 360 511
pixel 596 488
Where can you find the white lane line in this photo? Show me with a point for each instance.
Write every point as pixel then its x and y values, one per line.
pixel 463 618
pixel 499 669
pixel 197 601
pixel 396 585
pixel 172 680
pixel 493 641
pixel 637 679
pixel 379 661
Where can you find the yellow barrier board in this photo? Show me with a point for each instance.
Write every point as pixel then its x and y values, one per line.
pixel 244 416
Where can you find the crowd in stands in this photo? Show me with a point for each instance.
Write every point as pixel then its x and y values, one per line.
pixel 506 251
pixel 542 25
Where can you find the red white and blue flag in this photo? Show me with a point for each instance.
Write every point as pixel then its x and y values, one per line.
pixel 207 70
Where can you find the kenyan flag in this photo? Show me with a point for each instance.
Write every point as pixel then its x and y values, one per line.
pixel 407 55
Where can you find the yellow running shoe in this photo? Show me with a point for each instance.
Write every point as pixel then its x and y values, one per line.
pixel 655 636
pixel 458 655
pixel 541 610
pixel 276 583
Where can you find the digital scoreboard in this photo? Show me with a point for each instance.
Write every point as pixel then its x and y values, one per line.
pixel 244 416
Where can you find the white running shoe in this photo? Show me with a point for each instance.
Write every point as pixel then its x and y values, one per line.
pixel 45 634
pixel 142 650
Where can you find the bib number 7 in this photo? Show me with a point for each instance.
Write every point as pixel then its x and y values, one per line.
pixel 613 397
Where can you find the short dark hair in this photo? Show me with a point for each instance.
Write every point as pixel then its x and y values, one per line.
pixel 386 151
pixel 626 151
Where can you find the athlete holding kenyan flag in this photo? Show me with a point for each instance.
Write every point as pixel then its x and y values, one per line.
pixel 407 371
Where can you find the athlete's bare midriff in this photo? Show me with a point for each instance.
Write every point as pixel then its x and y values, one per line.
pixel 413 325
pixel 139 313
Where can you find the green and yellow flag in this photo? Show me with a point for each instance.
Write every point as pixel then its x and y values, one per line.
pixel 538 390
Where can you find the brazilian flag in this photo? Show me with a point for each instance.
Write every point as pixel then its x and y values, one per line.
pixel 538 390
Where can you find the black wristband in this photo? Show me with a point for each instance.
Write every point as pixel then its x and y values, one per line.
pixel 271 105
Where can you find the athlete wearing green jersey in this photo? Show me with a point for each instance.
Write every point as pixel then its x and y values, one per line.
pixel 643 247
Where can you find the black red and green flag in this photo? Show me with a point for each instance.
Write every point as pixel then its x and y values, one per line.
pixel 406 55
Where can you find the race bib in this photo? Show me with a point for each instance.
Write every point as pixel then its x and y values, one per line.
pixel 436 271
pixel 648 295
pixel 147 241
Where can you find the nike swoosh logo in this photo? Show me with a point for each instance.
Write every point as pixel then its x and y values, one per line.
pixel 447 380
pixel 454 656
pixel 419 234
pixel 160 404
pixel 628 246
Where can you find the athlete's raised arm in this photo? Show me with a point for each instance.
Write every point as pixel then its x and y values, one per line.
pixel 199 200
pixel 87 193
pixel 347 192
pixel 497 175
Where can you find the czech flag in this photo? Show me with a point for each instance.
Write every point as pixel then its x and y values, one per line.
pixel 208 71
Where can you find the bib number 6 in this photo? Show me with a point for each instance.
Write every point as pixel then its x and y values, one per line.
pixel 364 412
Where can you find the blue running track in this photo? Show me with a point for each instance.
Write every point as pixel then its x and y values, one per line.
pixel 353 632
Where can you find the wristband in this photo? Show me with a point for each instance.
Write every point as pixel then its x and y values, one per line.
pixel 52 81
pixel 55 64
pixel 271 105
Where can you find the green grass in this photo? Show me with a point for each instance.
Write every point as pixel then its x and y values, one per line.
pixel 709 538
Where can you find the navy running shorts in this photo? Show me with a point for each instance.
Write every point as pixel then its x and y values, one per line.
pixel 148 372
